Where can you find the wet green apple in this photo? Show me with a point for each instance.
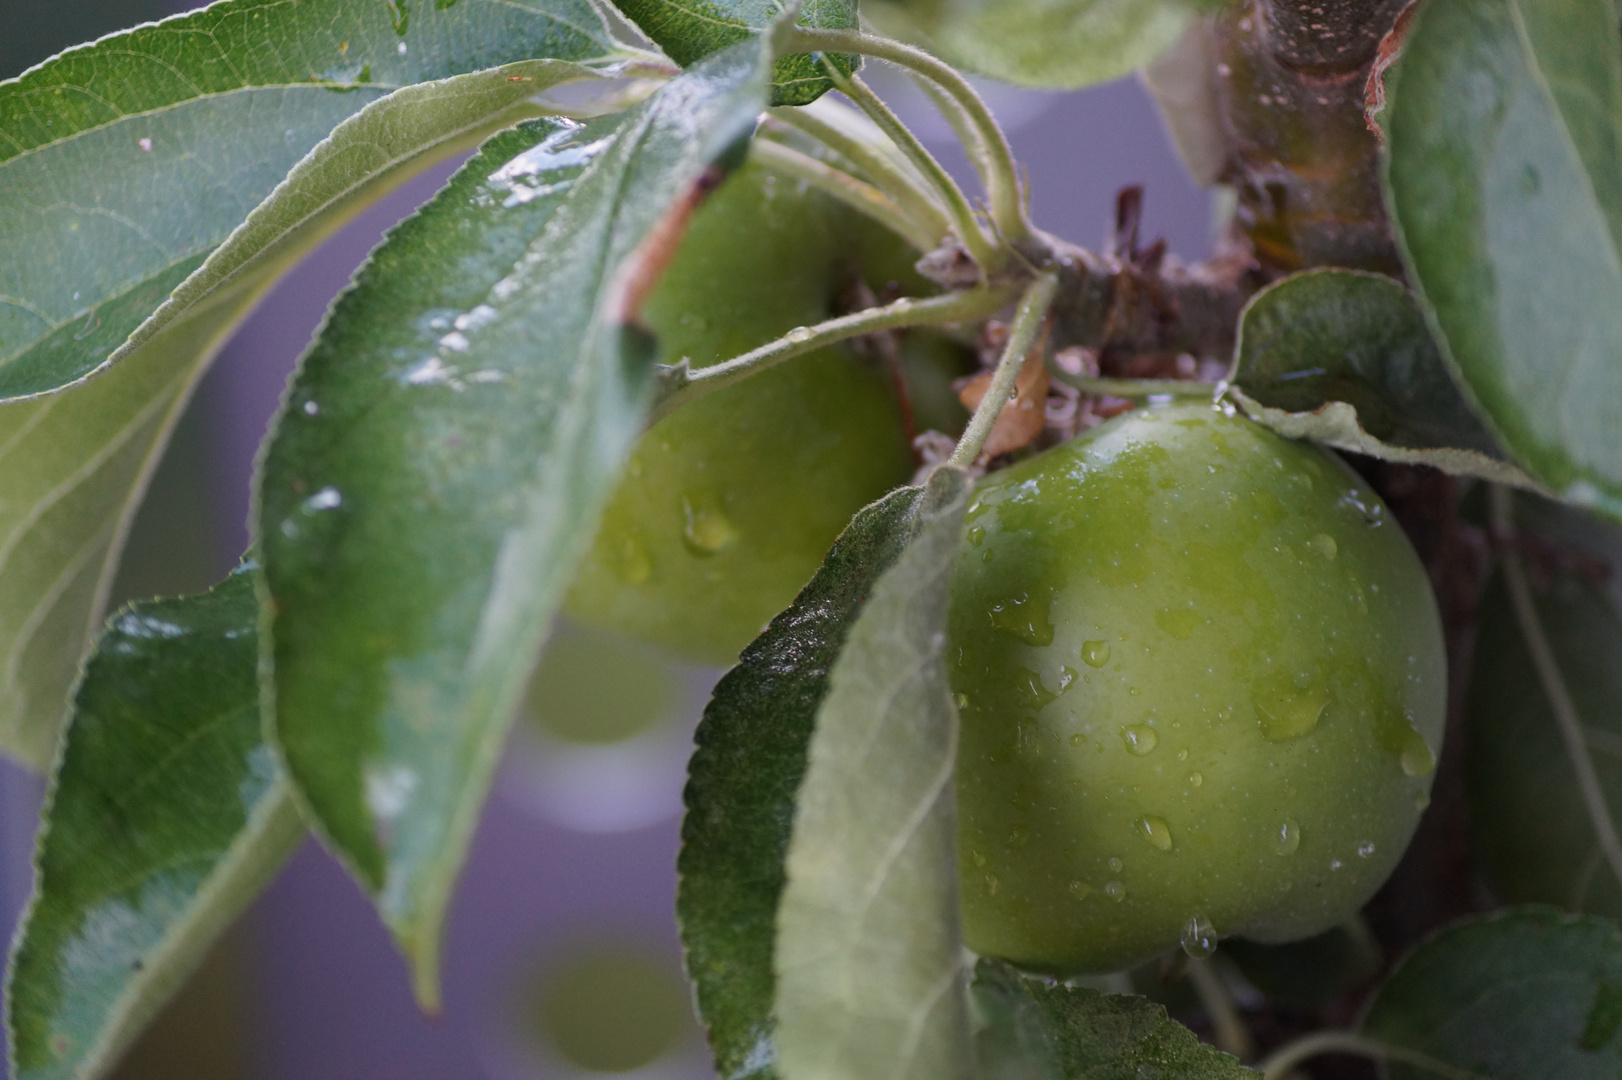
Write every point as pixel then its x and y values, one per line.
pixel 1201 680
pixel 729 504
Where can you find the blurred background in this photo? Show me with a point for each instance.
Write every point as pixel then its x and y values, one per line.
pixel 562 958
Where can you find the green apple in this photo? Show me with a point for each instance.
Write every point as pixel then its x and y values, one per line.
pixel 729 504
pixel 1202 681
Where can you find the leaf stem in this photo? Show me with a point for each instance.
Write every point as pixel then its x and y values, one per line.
pixel 1566 716
pixel 787 161
pixel 964 220
pixel 1232 1036
pixel 1279 1064
pixel 1028 320
pixel 919 203
pixel 679 385
pixel 995 158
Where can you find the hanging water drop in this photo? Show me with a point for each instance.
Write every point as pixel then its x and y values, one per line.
pixel 1199 937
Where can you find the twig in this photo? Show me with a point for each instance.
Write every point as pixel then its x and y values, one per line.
pixel 964 221
pixel 919 203
pixel 995 159
pixel 1028 320
pixel 855 193
pixel 1287 1057
pixel 680 385
pixel 1232 1036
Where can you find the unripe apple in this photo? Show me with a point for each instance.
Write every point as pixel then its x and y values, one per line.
pixel 1201 679
pixel 729 504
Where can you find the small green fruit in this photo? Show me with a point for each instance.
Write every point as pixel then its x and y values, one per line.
pixel 1202 681
pixel 729 504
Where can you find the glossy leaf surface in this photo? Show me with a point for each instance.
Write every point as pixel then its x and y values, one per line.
pixel 1035 1029
pixel 124 162
pixel 742 781
pixel 74 466
pixel 1345 357
pixel 1529 827
pixel 871 980
pixel 690 30
pixel 168 815
pixel 1060 45
pixel 1504 131
pixel 1527 994
pixel 439 467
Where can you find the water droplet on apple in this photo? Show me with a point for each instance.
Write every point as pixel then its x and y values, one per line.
pixel 1029 689
pixel 1095 653
pixel 1287 714
pixel 1195 779
pixel 1365 849
pixel 1156 831
pixel 1140 739
pixel 1199 937
pixel 1115 891
pixel 1288 838
pixel 633 565
pixel 1417 759
pixel 1115 864
pixel 705 530
pixel 1024 619
pixel 1325 545
pixel 1080 890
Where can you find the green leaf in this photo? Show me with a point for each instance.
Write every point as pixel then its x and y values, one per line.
pixel 869 954
pixel 1183 81
pixel 1345 357
pixel 72 466
pixel 690 30
pixel 1528 824
pixel 73 470
pixel 742 781
pixel 1060 44
pixel 167 816
pixel 125 162
pixel 1528 994
pixel 1504 171
pixel 441 461
pixel 1037 1029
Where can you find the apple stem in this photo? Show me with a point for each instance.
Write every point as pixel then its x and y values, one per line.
pixel 1282 1061
pixel 1022 333
pixel 919 203
pixel 1564 708
pixel 679 385
pixel 990 152
pixel 858 194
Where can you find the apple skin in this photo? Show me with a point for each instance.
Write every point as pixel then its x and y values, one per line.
pixel 1201 677
pixel 729 504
